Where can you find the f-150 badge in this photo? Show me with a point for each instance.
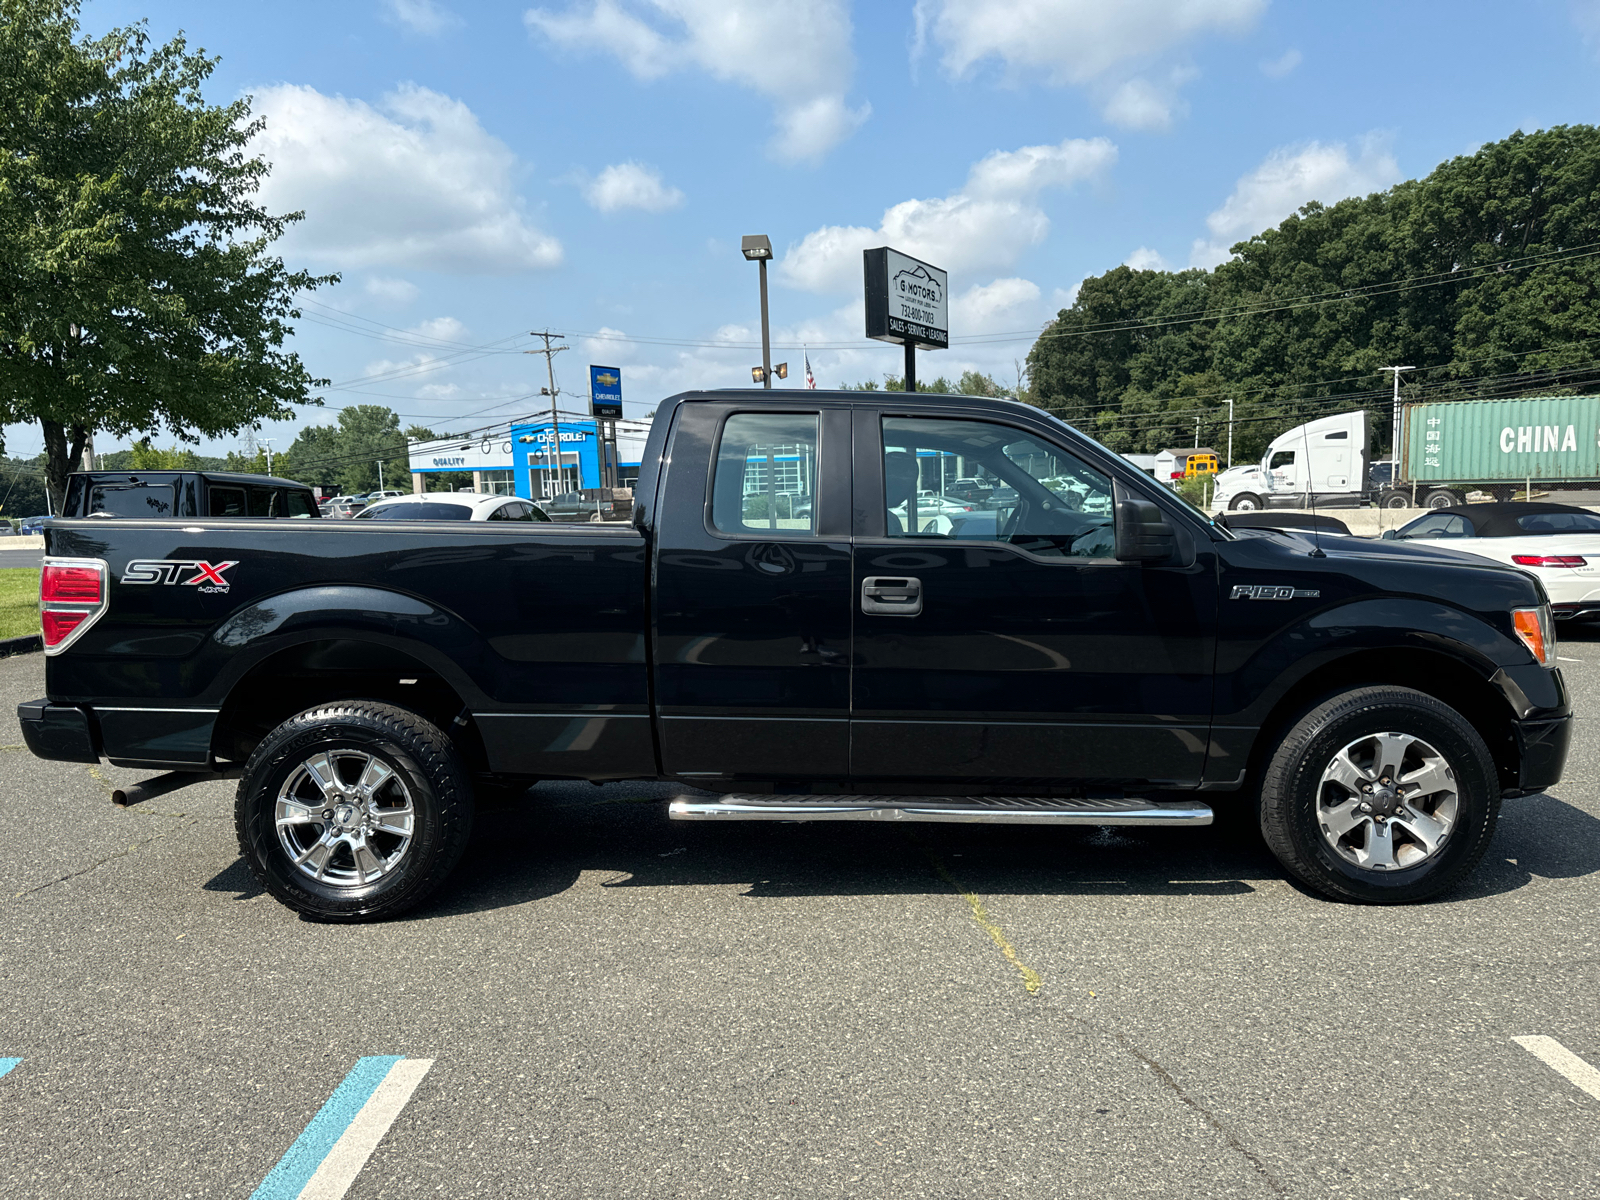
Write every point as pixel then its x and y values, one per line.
pixel 1264 591
pixel 207 577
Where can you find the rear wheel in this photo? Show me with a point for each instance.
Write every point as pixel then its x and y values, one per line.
pixel 1381 795
pixel 594 518
pixel 1442 498
pixel 353 811
pixel 1245 502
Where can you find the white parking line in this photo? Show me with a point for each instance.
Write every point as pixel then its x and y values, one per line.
pixel 1558 1058
pixel 350 1153
pixel 1559 658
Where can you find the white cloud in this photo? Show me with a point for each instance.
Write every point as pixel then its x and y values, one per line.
pixel 1083 42
pixel 797 54
pixel 1141 104
pixel 1146 259
pixel 426 17
pixel 1002 305
pixel 1277 68
pixel 391 291
pixel 1290 177
pixel 440 329
pixel 986 225
pixel 413 182
pixel 631 185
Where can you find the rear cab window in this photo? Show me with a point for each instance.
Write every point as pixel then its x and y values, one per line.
pixel 766 475
pixel 130 500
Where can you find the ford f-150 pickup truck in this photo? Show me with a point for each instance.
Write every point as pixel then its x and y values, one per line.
pixel 792 631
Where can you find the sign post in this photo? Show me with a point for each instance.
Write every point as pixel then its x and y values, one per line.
pixel 908 302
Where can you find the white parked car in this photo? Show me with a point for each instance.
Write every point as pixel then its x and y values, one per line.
pixel 1556 543
pixel 453 506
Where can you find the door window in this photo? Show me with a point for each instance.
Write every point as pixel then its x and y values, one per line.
pixel 766 475
pixel 300 505
pixel 227 502
pixel 1045 500
pixel 136 500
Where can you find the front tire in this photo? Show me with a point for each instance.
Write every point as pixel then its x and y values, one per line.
pixel 1246 502
pixel 1380 795
pixel 353 811
pixel 1396 500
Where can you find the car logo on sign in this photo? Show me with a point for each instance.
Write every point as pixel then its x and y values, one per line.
pixel 1267 591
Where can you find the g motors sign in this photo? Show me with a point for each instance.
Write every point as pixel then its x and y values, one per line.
pixel 908 301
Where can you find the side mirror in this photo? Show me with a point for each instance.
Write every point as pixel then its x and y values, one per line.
pixel 1389 535
pixel 1142 533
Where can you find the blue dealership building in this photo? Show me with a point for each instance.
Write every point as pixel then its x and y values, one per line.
pixel 522 462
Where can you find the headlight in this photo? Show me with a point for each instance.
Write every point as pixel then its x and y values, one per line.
pixel 1534 627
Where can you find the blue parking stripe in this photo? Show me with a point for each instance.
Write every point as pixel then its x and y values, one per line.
pixel 6 1064
pixel 295 1169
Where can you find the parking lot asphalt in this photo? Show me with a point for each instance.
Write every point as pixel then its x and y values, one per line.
pixel 614 1004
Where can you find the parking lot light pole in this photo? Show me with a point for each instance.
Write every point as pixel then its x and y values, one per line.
pixel 757 248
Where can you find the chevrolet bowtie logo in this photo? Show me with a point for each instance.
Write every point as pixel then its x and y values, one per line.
pixel 1264 591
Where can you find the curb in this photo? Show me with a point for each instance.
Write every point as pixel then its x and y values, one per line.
pixel 29 644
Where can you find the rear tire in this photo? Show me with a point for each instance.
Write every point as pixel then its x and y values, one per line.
pixel 1246 502
pixel 1442 498
pixel 1440 818
pixel 353 811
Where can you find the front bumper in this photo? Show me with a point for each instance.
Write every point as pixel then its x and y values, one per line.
pixel 1543 745
pixel 58 731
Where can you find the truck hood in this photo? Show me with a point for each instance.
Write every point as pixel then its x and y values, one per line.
pixel 1235 476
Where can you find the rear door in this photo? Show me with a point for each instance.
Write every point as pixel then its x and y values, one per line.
pixel 1009 646
pixel 753 595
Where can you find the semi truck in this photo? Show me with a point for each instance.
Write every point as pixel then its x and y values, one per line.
pixel 1446 450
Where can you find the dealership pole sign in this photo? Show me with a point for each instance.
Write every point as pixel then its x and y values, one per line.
pixel 908 302
pixel 605 392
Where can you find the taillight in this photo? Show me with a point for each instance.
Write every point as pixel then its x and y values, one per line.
pixel 1548 560
pixel 1533 627
pixel 71 584
pixel 72 596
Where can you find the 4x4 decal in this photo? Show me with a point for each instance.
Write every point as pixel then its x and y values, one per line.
pixel 207 576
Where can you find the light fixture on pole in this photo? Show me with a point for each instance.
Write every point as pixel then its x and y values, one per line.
pixel 761 374
pixel 757 248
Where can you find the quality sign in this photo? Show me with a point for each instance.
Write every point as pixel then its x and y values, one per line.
pixel 908 301
pixel 605 391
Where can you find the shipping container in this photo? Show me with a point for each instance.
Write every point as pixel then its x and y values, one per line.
pixel 1550 439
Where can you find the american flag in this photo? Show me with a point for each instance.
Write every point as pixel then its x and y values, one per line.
pixel 811 380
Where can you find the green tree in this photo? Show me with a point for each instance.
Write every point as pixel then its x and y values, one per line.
pixel 145 457
pixel 136 288
pixel 1482 274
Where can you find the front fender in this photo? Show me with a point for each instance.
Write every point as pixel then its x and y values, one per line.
pixel 1253 678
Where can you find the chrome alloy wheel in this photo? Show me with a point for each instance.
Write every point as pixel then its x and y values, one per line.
pixel 1387 801
pixel 344 817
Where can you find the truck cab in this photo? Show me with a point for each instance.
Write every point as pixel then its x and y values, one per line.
pixel 1321 464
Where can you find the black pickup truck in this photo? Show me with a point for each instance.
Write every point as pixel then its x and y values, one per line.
pixel 1096 653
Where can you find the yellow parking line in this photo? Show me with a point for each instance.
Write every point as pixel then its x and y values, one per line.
pixel 1030 977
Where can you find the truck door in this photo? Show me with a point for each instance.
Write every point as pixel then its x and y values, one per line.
pixel 1007 644
pixel 753 596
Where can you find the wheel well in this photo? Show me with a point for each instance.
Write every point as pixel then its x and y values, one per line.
pixel 1445 679
pixel 314 673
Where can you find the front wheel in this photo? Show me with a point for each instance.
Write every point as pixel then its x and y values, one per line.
pixel 1380 795
pixel 353 811
pixel 1245 502
pixel 1396 500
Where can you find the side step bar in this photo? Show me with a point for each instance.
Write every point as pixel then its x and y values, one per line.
pixel 979 810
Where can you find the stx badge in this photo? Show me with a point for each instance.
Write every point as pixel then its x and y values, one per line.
pixel 1262 591
pixel 206 576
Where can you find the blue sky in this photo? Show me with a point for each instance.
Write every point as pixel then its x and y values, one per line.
pixel 478 170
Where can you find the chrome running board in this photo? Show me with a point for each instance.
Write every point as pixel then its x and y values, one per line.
pixel 979 810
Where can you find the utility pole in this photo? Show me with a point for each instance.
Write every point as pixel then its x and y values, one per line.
pixel 1197 433
pixel 1230 431
pixel 380 470
pixel 267 445
pixel 1394 436
pixel 552 391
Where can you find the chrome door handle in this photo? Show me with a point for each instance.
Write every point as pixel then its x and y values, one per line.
pixel 891 596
